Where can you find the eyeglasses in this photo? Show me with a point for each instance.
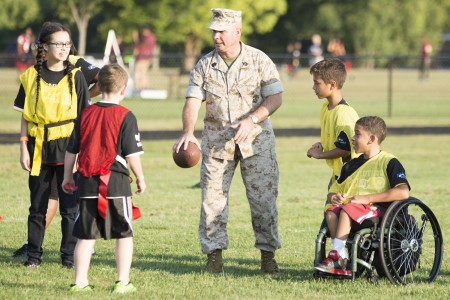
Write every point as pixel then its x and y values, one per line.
pixel 61 45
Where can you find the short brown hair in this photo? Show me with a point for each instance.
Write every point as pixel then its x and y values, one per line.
pixel 330 69
pixel 374 125
pixel 112 78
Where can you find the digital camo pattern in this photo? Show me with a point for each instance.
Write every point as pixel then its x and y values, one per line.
pixel 231 94
pixel 260 175
pixel 223 19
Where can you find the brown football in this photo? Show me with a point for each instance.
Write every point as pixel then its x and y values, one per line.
pixel 187 158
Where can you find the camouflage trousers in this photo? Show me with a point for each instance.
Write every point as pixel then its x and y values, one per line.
pixel 260 176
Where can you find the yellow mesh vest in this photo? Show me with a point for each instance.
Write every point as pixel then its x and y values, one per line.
pixel 55 105
pixel 332 122
pixel 370 178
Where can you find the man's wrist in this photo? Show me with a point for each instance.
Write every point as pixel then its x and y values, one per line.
pixel 254 119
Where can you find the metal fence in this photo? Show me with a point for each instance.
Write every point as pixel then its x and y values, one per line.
pixel 176 60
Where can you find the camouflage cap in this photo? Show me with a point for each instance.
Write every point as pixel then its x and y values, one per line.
pixel 223 19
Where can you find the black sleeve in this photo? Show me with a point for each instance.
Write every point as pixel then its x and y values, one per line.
pixel 350 167
pixel 89 71
pixel 130 142
pixel 82 92
pixel 343 141
pixel 20 98
pixel 396 173
pixel 74 141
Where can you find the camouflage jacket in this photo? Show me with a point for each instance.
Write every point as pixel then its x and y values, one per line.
pixel 231 94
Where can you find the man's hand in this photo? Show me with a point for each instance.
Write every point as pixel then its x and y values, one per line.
pixel 184 140
pixel 244 128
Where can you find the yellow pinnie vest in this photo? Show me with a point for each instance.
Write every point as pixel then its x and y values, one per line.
pixel 332 122
pixel 370 178
pixel 56 106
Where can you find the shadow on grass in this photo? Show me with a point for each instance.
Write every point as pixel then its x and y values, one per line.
pixel 194 264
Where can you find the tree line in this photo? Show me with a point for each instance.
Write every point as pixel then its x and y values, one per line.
pixel 369 27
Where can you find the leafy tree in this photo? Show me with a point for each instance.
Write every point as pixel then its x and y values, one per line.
pixel 367 27
pixel 80 12
pixel 184 22
pixel 18 14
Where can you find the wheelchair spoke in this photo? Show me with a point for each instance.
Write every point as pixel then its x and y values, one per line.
pixel 414 243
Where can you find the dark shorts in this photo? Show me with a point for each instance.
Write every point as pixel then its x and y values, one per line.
pixel 117 224
pixel 358 212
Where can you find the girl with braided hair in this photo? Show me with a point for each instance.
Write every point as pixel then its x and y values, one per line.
pixel 51 97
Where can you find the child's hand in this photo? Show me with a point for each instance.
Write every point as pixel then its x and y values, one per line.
pixel 68 186
pixel 141 186
pixel 25 159
pixel 338 199
pixel 315 150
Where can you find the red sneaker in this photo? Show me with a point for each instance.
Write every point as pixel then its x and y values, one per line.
pixel 334 264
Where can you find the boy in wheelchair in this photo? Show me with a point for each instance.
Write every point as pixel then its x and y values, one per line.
pixel 364 189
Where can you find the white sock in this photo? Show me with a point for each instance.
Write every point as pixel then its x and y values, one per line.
pixel 339 246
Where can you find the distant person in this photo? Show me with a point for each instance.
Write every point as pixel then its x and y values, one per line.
pixel 105 142
pixel 426 51
pixel 296 53
pixel 237 132
pixel 144 48
pixel 25 57
pixel 365 188
pixel 289 60
pixel 315 50
pixel 336 48
pixel 337 117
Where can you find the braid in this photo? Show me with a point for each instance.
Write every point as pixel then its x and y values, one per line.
pixel 68 71
pixel 39 60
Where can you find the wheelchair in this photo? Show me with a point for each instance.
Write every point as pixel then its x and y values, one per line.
pixel 406 246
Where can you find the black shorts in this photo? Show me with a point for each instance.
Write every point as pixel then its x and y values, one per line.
pixel 117 223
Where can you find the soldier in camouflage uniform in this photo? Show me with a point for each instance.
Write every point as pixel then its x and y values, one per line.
pixel 241 88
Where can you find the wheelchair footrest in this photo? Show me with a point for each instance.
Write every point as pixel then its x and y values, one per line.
pixel 319 274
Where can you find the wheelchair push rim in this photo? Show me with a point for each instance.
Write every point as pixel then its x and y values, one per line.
pixel 412 246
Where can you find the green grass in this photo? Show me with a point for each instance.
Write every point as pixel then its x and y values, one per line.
pixel 167 261
pixel 415 103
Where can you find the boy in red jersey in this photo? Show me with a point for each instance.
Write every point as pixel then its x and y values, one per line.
pixel 107 141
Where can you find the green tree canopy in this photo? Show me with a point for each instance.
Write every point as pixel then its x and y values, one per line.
pixel 185 22
pixel 18 14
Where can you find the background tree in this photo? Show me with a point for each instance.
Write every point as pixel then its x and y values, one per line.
pixel 80 12
pixel 18 14
pixel 183 24
pixel 381 27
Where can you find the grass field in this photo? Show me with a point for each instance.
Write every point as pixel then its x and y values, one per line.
pixel 167 262
pixel 414 102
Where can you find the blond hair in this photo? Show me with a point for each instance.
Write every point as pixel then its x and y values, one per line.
pixel 112 78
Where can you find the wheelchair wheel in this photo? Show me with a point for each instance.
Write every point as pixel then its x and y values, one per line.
pixel 411 245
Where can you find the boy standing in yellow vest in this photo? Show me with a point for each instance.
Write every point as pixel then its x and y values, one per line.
pixel 364 189
pixel 337 118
